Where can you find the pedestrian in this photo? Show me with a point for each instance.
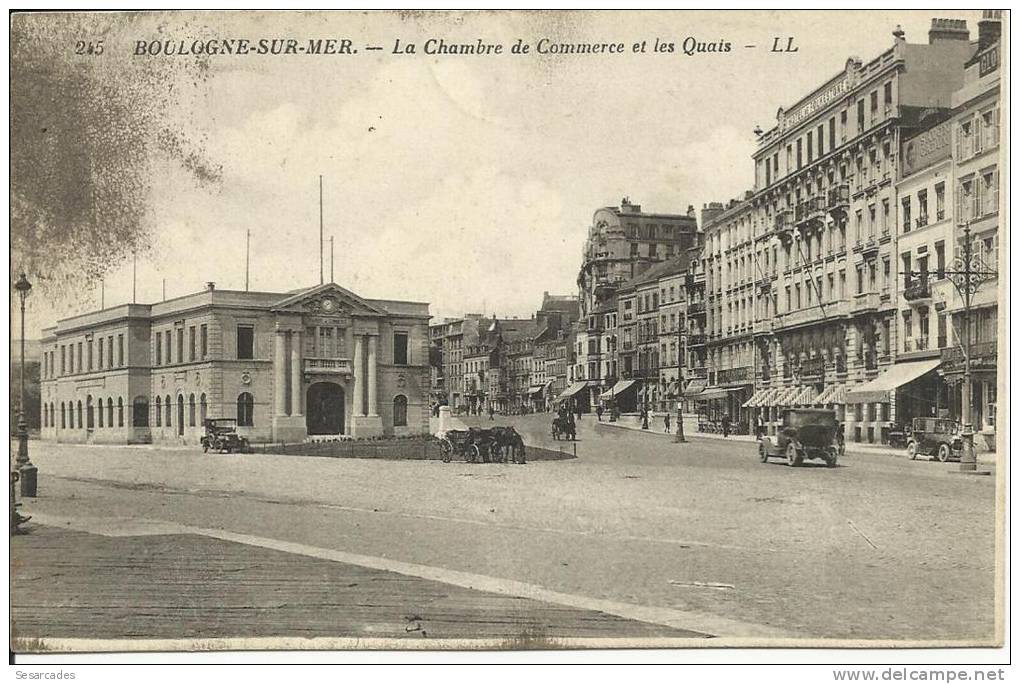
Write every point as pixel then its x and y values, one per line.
pixel 759 426
pixel 665 419
pixel 492 412
pixel 726 425
pixel 598 412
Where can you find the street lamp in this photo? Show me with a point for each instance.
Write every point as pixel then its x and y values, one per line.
pixel 681 358
pixel 968 274
pixel 26 471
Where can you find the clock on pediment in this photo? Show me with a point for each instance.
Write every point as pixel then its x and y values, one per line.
pixel 330 304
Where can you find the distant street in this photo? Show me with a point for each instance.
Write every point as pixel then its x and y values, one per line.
pixel 880 547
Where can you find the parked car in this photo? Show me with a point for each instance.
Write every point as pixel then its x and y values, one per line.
pixel 936 438
pixel 805 433
pixel 221 435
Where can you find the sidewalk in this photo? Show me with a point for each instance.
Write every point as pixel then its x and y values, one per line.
pixel 159 584
pixel 851 447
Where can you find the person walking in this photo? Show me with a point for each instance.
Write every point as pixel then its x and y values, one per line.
pixel 665 420
pixel 598 412
pixel 759 426
pixel 726 425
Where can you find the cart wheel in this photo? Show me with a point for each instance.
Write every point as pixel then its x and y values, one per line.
pixel 763 452
pixel 912 451
pixel 792 456
pixel 944 452
pixel 446 450
pixel 832 459
pixel 473 453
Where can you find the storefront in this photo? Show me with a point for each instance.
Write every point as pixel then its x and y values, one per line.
pixel 623 396
pixel 898 395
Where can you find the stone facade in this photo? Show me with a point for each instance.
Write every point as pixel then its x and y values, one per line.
pixel 287 366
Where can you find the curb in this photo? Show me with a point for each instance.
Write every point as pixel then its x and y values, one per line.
pixel 988 459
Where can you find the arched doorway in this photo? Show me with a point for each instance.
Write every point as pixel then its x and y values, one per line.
pixel 324 409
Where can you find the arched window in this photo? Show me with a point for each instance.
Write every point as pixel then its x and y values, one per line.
pixel 168 410
pixel 399 411
pixel 120 411
pixel 81 423
pixel 140 412
pixel 109 412
pixel 70 414
pixel 90 413
pixel 101 414
pixel 245 409
pixel 202 409
pixel 191 410
pixel 180 414
pixel 159 411
pixel 46 416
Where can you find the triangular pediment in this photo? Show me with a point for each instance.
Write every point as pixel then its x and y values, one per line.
pixel 328 299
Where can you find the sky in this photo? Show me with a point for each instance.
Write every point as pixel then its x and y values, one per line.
pixel 468 182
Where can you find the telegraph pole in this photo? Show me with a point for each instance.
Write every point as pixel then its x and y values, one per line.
pixel 331 260
pixel 322 277
pixel 681 360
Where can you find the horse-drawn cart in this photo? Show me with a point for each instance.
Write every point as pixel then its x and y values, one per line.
pixel 486 445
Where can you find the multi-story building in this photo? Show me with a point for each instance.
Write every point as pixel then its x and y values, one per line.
pixel 976 156
pixel 622 243
pixel 286 366
pixel 825 203
pixel 452 336
pixel 735 273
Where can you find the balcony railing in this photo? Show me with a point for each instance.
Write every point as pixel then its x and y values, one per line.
pixel 922 220
pixel 918 289
pixel 952 357
pixel 912 344
pixel 865 301
pixel 838 197
pixel 695 308
pixel 814 367
pixel 329 366
pixel 695 340
pixel 740 374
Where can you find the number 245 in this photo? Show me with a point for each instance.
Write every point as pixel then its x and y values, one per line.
pixel 89 48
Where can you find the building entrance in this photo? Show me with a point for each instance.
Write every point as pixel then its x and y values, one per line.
pixel 324 409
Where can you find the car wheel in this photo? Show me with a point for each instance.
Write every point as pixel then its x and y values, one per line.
pixel 763 452
pixel 473 454
pixel 833 458
pixel 912 450
pixel 792 455
pixel 944 452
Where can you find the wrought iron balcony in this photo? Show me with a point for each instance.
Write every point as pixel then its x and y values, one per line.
pixel 784 223
pixel 695 340
pixel 838 199
pixel 917 291
pixel 732 375
pixel 328 366
pixel 812 368
pixel 695 308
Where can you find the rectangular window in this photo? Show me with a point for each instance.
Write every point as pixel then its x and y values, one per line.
pixel 940 201
pixel 940 258
pixel 245 342
pixel 159 349
pixel 800 155
pixel 832 134
pixel 400 349
pixel 821 140
pixel 180 345
pixel 922 208
pixel 101 355
pixel 860 116
pixel 906 214
pixel 887 92
pixel 205 340
pixel 63 362
pixel 905 257
pixel 169 347
pixel 810 147
pixel 91 366
pixel 109 351
pixel 80 365
pixel 191 343
pixel 120 350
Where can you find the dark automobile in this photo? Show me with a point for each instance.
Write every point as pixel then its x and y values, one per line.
pixel 221 435
pixel 805 433
pixel 936 438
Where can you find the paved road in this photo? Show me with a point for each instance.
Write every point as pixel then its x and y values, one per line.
pixel 877 548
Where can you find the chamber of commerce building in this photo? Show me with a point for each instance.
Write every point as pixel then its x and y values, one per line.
pixel 319 362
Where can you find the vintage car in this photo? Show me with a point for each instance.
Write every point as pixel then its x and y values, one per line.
pixel 805 433
pixel 221 435
pixel 936 438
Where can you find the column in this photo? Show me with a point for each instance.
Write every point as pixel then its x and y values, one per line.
pixel 359 376
pixel 280 373
pixel 296 371
pixel 373 384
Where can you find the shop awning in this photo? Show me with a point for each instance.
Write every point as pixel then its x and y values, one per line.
pixel 757 398
pixel 833 394
pixel 715 393
pixel 535 389
pixel 804 397
pixel 897 375
pixel 572 390
pixel 619 388
pixel 694 388
pixel 785 395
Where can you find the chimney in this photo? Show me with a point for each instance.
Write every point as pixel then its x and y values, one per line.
pixel 210 285
pixel 628 207
pixel 989 28
pixel 690 210
pixel 948 29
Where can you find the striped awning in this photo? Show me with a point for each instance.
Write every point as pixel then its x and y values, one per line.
pixel 785 395
pixel 833 394
pixel 758 398
pixel 804 397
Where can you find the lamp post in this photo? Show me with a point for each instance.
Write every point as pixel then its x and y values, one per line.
pixel 26 471
pixel 681 358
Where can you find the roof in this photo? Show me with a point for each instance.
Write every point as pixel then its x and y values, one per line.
pixel 675 265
